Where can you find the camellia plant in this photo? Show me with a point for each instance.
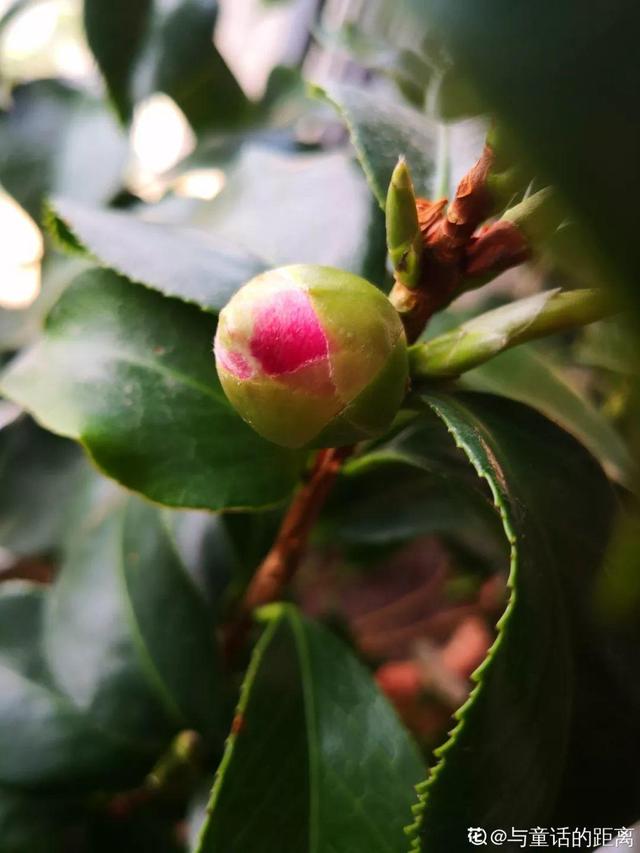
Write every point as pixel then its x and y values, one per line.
pixel 318 525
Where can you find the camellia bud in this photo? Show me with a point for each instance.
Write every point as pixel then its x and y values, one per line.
pixel 313 356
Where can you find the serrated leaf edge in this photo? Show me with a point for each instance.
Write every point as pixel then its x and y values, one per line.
pixel 53 218
pixel 422 790
pixel 379 192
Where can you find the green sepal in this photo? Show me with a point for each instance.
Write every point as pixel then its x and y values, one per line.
pixel 365 417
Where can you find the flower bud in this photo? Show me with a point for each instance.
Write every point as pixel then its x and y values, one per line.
pixel 312 356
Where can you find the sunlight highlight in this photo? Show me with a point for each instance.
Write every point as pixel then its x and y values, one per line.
pixel 161 135
pixel 204 184
pixel 21 256
pixel 31 30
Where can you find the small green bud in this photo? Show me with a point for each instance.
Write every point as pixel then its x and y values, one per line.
pixel 404 240
pixel 312 356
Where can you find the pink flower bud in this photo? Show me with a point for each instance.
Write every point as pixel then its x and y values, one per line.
pixel 312 356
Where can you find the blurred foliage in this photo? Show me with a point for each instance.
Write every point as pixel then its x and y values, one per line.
pixel 149 225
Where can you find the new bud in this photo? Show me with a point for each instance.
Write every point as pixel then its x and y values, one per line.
pixel 312 356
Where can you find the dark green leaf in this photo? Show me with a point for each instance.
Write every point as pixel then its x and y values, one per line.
pixel 39 475
pixel 383 130
pixel 319 761
pixel 191 70
pixel 526 374
pixel 178 262
pixel 201 541
pixel 154 827
pixel 127 636
pixel 130 373
pixel 32 824
pixel 423 503
pixel 44 739
pixel 538 739
pixel 116 31
pixel 55 139
pixel 516 55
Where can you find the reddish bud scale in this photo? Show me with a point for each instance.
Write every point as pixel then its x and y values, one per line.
pixel 312 356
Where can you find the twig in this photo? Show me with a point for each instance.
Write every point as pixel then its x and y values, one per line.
pixel 455 255
pixel 280 564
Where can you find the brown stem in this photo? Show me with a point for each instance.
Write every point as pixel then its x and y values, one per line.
pixel 446 234
pixel 281 563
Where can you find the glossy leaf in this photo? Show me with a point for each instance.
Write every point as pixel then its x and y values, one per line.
pixel 201 541
pixel 191 70
pixel 127 637
pixel 529 375
pixel 55 139
pixel 318 760
pixel 39 474
pixel 102 670
pixel 535 742
pixel 176 261
pixel 116 30
pixel 424 502
pixel 130 374
pixel 534 375
pixel 292 208
pixel 383 130
pixel 44 739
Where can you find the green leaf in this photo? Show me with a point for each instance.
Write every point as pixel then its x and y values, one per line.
pixel 191 70
pixel 609 345
pixel 176 261
pixel 487 335
pixel 292 208
pixel 155 827
pixel 116 31
pixel 536 742
pixel 319 761
pixel 201 541
pixel 55 139
pixel 32 824
pixel 535 375
pixel 528 375
pixel 44 739
pixel 130 374
pixel 516 54
pixel 383 130
pixel 127 636
pixel 99 672
pixel 424 502
pixel 374 53
pixel 39 475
